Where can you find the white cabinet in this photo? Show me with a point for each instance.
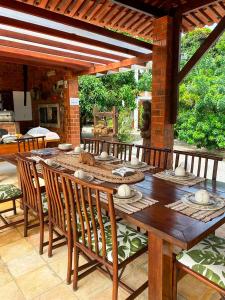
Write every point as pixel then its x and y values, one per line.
pixel 22 113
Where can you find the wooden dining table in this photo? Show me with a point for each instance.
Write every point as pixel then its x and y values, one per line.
pixel 167 229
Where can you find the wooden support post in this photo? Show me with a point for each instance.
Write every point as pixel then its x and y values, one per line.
pixel 165 57
pixel 71 111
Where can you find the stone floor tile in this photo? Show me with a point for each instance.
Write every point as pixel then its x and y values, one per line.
pixel 9 236
pixel 107 294
pixel 5 276
pixel 192 289
pixel 15 249
pixel 10 291
pixel 37 282
pixel 60 292
pixel 24 264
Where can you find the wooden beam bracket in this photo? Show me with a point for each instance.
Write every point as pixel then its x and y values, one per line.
pixel 209 42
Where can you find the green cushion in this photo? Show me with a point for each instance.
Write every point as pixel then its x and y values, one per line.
pixel 129 241
pixel 44 202
pixel 207 258
pixel 9 191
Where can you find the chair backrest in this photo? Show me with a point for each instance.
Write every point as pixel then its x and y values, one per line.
pixel 157 157
pixel 30 143
pixel 29 183
pixel 198 163
pixel 94 146
pixel 120 150
pixel 89 232
pixel 56 203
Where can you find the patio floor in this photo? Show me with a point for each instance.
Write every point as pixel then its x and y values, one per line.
pixel 24 274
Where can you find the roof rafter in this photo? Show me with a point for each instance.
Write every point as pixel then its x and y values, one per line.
pixel 193 5
pixel 144 8
pixel 115 66
pixel 28 55
pixel 49 15
pixel 70 36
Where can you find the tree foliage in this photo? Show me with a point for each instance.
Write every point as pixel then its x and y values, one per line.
pixel 201 120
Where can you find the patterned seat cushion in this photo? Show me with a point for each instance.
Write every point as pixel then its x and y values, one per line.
pixel 129 241
pixel 44 202
pixel 207 258
pixel 9 191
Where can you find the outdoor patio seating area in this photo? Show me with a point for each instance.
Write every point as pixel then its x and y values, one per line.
pixel 103 216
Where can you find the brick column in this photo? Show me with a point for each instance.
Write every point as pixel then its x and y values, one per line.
pixel 72 112
pixel 162 73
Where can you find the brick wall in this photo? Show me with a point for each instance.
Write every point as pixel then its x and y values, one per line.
pixel 161 129
pixel 11 78
pixel 10 127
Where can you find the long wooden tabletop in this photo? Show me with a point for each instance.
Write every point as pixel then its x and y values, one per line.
pixel 164 223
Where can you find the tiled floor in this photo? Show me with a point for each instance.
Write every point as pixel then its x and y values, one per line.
pixel 24 274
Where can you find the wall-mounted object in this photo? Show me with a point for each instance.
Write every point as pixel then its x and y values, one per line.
pixel 22 112
pixel 49 115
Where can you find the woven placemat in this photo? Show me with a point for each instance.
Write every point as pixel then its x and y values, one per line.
pixel 100 171
pixel 130 208
pixel 167 175
pixel 196 213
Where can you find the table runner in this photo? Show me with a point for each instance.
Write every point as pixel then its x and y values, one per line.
pixel 201 215
pixel 165 175
pixel 100 170
pixel 130 208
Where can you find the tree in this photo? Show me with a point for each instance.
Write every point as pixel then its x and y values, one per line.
pixel 201 118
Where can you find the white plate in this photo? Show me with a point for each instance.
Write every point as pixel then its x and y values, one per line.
pixel 188 176
pixel 87 178
pixel 65 146
pixel 109 157
pixel 215 203
pixel 136 197
pixel 139 166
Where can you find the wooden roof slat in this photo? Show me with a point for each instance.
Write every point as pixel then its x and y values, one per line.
pixel 193 5
pixel 38 40
pixel 63 6
pixel 65 35
pixel 36 11
pixel 38 48
pixel 124 63
pixel 37 56
pixel 94 8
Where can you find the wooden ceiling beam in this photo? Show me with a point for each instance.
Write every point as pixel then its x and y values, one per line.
pixel 193 5
pixel 65 20
pixel 62 53
pixel 32 56
pixel 205 46
pixel 34 39
pixel 141 7
pixel 41 64
pixel 69 36
pixel 124 63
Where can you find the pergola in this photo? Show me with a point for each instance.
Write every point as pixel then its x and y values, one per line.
pixel 76 36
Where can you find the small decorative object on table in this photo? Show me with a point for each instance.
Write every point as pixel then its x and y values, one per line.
pixel 65 147
pixel 123 172
pixel 180 171
pixel 82 175
pixel 77 150
pixel 104 156
pixel 126 195
pixel 87 158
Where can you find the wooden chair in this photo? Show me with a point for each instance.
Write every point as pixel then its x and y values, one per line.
pixel 30 143
pixel 101 243
pixel 157 157
pixel 205 261
pixel 197 163
pixel 34 197
pixel 120 150
pixel 94 146
pixel 9 193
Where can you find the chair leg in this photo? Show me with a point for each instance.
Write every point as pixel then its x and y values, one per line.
pixel 50 242
pixel 14 207
pixel 175 278
pixel 25 211
pixel 115 285
pixel 70 259
pixel 41 246
pixel 75 269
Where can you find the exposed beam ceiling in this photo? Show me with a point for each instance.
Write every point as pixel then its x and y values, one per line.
pixel 193 5
pixel 42 57
pixel 65 20
pixel 208 42
pixel 115 66
pixel 61 34
pixel 142 7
